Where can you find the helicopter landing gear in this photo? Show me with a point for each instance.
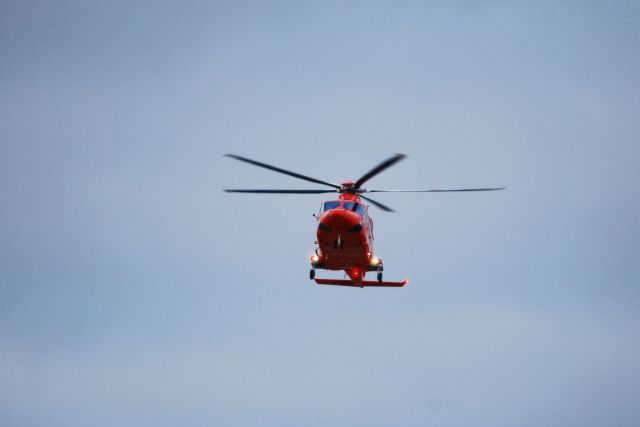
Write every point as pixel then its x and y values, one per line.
pixel 312 274
pixel 379 276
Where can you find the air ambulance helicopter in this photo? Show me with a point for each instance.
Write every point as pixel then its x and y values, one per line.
pixel 345 229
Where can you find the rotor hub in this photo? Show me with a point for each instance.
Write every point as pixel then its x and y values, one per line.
pixel 348 187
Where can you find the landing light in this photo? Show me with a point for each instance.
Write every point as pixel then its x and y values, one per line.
pixel 375 261
pixel 315 258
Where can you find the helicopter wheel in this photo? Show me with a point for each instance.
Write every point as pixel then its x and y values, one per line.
pixel 379 276
pixel 312 274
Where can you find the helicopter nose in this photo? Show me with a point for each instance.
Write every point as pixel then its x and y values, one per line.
pixel 339 221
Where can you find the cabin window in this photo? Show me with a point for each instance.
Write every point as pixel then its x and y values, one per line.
pixel 331 205
pixel 354 207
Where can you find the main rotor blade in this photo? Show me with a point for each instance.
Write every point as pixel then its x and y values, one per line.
pixel 375 171
pixel 378 204
pixel 284 171
pixel 265 191
pixel 434 191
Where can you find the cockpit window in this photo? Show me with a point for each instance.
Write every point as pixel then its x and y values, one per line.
pixel 354 207
pixel 331 205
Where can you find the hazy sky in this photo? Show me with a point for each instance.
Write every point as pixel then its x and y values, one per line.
pixel 134 292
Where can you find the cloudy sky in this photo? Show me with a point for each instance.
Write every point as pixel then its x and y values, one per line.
pixel 134 292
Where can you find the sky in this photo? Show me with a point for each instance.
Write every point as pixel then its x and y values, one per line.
pixel 135 292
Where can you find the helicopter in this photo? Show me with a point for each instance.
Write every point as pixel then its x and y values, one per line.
pixel 345 228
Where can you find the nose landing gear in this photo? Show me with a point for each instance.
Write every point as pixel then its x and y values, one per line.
pixel 312 274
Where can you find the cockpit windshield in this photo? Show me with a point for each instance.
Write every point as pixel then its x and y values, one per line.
pixel 347 205
pixel 354 207
pixel 330 205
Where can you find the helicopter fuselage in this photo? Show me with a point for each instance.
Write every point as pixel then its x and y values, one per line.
pixel 345 238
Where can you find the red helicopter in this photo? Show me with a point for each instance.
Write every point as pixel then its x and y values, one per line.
pixel 345 229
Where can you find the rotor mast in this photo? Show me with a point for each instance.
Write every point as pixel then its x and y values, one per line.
pixel 348 192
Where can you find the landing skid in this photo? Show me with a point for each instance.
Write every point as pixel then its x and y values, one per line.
pixel 372 283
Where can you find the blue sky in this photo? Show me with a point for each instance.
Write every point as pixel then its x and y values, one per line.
pixel 133 291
